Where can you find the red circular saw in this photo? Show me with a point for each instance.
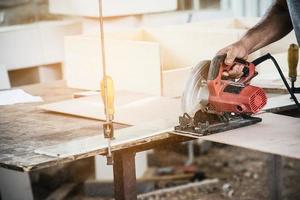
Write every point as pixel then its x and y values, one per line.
pixel 226 95
pixel 212 103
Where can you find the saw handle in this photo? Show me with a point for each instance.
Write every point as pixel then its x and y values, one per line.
pixel 218 67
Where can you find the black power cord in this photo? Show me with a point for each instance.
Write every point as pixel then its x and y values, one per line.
pixel 269 56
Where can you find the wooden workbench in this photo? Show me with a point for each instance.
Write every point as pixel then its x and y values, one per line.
pixel 24 128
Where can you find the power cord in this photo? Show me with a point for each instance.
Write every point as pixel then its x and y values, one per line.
pixel 269 56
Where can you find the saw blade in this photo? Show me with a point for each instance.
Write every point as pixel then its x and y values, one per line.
pixel 195 94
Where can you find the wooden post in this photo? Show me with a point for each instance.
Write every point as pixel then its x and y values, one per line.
pixel 274 177
pixel 124 175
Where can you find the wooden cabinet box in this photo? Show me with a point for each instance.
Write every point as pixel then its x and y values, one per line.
pixel 142 60
pixel 151 60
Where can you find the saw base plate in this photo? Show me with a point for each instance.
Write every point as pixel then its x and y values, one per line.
pixel 218 127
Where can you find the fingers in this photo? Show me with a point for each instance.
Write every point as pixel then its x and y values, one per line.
pixel 236 50
pixel 236 71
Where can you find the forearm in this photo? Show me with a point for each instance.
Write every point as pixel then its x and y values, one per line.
pixel 275 24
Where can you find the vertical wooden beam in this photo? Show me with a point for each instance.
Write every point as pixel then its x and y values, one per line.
pixel 124 175
pixel 274 163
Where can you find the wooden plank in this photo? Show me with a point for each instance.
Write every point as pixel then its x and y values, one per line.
pixel 110 7
pixel 129 63
pixel 276 134
pixel 134 108
pixel 123 137
pixel 45 40
pixel 131 108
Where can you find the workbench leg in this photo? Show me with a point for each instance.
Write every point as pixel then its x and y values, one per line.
pixel 274 177
pixel 124 176
pixel 15 185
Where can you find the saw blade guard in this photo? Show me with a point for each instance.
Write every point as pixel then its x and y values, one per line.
pixel 195 94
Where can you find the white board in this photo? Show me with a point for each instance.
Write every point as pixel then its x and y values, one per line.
pixel 90 8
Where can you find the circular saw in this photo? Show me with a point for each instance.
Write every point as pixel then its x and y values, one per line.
pixel 212 103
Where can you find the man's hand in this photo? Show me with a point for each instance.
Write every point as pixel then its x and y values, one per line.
pixel 235 50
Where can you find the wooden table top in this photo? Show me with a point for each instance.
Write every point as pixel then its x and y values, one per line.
pixel 25 128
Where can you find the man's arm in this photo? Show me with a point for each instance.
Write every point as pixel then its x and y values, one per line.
pixel 274 25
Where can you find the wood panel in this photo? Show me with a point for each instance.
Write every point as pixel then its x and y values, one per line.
pixel 133 65
pixel 131 108
pixel 134 108
pixel 90 8
pixel 123 136
pixel 276 134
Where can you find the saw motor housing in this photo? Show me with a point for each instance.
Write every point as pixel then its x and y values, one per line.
pixel 234 96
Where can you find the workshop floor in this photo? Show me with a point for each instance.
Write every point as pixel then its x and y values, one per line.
pixel 242 174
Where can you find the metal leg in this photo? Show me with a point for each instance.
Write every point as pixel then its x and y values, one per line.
pixel 274 177
pixel 124 176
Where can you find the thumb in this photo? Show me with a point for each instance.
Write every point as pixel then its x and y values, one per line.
pixel 231 55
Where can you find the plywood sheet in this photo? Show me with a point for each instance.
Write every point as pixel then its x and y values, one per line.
pixel 131 108
pixel 35 44
pixel 136 108
pixel 122 137
pixel 133 65
pixel 276 134
pixel 90 8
